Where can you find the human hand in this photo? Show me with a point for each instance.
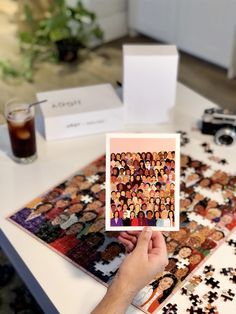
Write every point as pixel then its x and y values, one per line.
pixel 148 257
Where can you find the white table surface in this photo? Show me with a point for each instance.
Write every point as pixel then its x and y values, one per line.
pixel 57 284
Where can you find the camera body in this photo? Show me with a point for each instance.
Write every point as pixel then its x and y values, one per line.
pixel 221 123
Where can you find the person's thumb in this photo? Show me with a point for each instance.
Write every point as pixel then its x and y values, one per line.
pixel 144 239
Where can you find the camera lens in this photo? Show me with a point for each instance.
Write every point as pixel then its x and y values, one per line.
pixel 225 136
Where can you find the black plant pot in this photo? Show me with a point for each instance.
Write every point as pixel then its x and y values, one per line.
pixel 67 50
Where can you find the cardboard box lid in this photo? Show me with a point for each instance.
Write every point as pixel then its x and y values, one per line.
pixel 150 50
pixel 79 100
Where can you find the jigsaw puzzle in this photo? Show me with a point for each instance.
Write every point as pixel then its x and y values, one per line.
pixel 70 219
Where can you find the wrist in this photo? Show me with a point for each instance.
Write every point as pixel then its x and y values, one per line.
pixel 123 288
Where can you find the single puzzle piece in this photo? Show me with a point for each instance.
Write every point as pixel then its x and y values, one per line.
pixel 195 310
pixel 209 151
pixel 226 271
pixel 227 295
pixel 183 138
pixel 196 280
pixel 211 309
pixel 211 296
pixel 208 268
pixel 223 161
pixel 233 278
pixel 170 309
pixel 184 291
pixel 212 282
pixel 232 242
pixel 195 299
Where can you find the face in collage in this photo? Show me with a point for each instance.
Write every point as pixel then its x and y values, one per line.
pixel 142 189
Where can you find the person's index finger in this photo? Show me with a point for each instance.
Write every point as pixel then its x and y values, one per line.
pixel 134 233
pixel 158 241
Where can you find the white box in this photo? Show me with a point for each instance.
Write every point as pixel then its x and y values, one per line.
pixel 149 82
pixel 80 111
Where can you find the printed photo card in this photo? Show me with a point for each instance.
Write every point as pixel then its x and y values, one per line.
pixel 142 181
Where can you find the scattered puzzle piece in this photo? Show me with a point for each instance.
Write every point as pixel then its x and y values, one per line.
pixel 196 280
pixel 227 295
pixel 212 282
pixel 208 268
pixel 195 299
pixel 226 271
pixel 195 310
pixel 211 296
pixel 170 309
pixel 232 242
pixel 184 291
pixel 211 309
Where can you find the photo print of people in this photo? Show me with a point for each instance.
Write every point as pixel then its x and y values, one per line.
pixel 142 181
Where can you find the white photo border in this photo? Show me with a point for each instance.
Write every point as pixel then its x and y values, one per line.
pixel 175 136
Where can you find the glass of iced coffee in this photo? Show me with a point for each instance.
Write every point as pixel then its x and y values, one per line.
pixel 21 127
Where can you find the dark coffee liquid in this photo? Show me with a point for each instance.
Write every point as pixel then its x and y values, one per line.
pixel 22 136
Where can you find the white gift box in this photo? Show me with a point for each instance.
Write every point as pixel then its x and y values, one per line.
pixel 80 111
pixel 149 82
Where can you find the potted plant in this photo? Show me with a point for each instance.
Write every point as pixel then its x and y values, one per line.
pixel 57 36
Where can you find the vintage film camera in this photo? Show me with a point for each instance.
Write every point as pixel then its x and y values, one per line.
pixel 221 123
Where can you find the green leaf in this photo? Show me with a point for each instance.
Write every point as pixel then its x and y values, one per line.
pixel 28 14
pixel 26 37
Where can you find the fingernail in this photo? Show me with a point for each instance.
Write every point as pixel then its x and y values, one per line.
pixel 148 229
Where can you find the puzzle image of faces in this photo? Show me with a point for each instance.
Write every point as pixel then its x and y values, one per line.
pixel 142 181
pixel 70 219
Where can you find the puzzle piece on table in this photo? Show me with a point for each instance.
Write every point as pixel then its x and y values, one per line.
pixel 207 148
pixel 211 296
pixel 184 291
pixel 208 268
pixel 212 282
pixel 232 242
pixel 182 263
pixel 195 299
pixel 183 138
pixel 223 161
pixel 226 271
pixel 196 280
pixel 227 295
pixel 229 272
pixel 190 287
pixel 211 309
pixel 170 309
pixel 233 278
pixel 195 310
pixel 209 151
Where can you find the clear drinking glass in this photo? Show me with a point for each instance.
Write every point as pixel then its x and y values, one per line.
pixel 21 127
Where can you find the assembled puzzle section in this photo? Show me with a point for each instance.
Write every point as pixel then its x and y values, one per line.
pixel 70 219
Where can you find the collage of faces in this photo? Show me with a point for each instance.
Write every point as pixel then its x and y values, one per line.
pixel 142 189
